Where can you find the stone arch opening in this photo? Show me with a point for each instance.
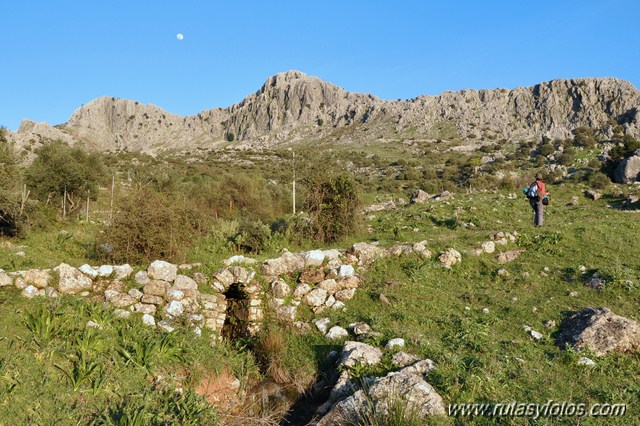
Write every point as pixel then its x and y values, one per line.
pixel 236 322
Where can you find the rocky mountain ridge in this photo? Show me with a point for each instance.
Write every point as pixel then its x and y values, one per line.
pixel 293 106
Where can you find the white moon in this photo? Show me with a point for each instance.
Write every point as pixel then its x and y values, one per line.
pixel 179 36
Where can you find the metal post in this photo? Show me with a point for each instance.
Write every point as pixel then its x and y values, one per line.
pixel 88 195
pixel 293 167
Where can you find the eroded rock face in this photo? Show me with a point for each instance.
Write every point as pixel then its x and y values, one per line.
pixel 601 331
pixel 628 171
pixel 406 386
pixel 292 103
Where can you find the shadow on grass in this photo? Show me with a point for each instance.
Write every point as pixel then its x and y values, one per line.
pixel 303 410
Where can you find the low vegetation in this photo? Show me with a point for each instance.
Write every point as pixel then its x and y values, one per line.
pixel 469 320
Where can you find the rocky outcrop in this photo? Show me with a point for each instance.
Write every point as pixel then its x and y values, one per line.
pixel 628 170
pixel 293 105
pixel 600 331
pixel 405 387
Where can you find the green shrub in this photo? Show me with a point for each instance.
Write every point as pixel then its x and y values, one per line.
pixel 333 204
pixel 252 236
pixel 231 137
pixel 149 225
pixel 59 168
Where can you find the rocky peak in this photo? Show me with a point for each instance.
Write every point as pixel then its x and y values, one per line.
pixel 292 105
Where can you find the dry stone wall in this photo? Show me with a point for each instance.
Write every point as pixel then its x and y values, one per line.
pixel 165 293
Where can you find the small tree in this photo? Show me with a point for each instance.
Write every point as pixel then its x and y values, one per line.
pixel 60 169
pixel 334 207
pixel 9 206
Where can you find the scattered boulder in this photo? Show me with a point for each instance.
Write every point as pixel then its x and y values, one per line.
pixel 360 329
pixel 402 359
pixel 592 194
pixel 5 279
pixel 508 256
pixel 406 385
pixel 586 361
pixel 386 206
pixel 161 270
pixel 398 341
pixel 628 170
pixel 322 325
pixel 444 195
pixel 71 280
pixel 574 201
pixel 450 257
pixel 337 333
pixel 418 197
pixel 600 331
pixel 488 247
pixel 355 353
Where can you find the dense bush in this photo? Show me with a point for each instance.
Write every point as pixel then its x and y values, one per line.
pixel 148 225
pixel 59 168
pixel 333 204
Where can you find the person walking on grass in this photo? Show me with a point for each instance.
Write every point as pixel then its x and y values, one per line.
pixel 538 198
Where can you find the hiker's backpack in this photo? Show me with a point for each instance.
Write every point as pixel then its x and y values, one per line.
pixel 532 192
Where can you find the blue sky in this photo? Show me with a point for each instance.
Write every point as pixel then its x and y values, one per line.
pixel 58 55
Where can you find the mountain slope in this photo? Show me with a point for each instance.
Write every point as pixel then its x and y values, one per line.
pixel 292 105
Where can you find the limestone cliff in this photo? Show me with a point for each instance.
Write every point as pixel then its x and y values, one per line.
pixel 292 105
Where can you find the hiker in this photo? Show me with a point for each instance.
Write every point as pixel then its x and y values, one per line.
pixel 537 193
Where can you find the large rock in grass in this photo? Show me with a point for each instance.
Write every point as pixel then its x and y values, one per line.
pixel 355 353
pixel 628 170
pixel 405 393
pixel 419 197
pixel 450 257
pixel 71 280
pixel 600 331
pixel 5 280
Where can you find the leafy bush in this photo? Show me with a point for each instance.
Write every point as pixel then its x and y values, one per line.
pixel 148 225
pixel 252 236
pixel 334 207
pixel 59 168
